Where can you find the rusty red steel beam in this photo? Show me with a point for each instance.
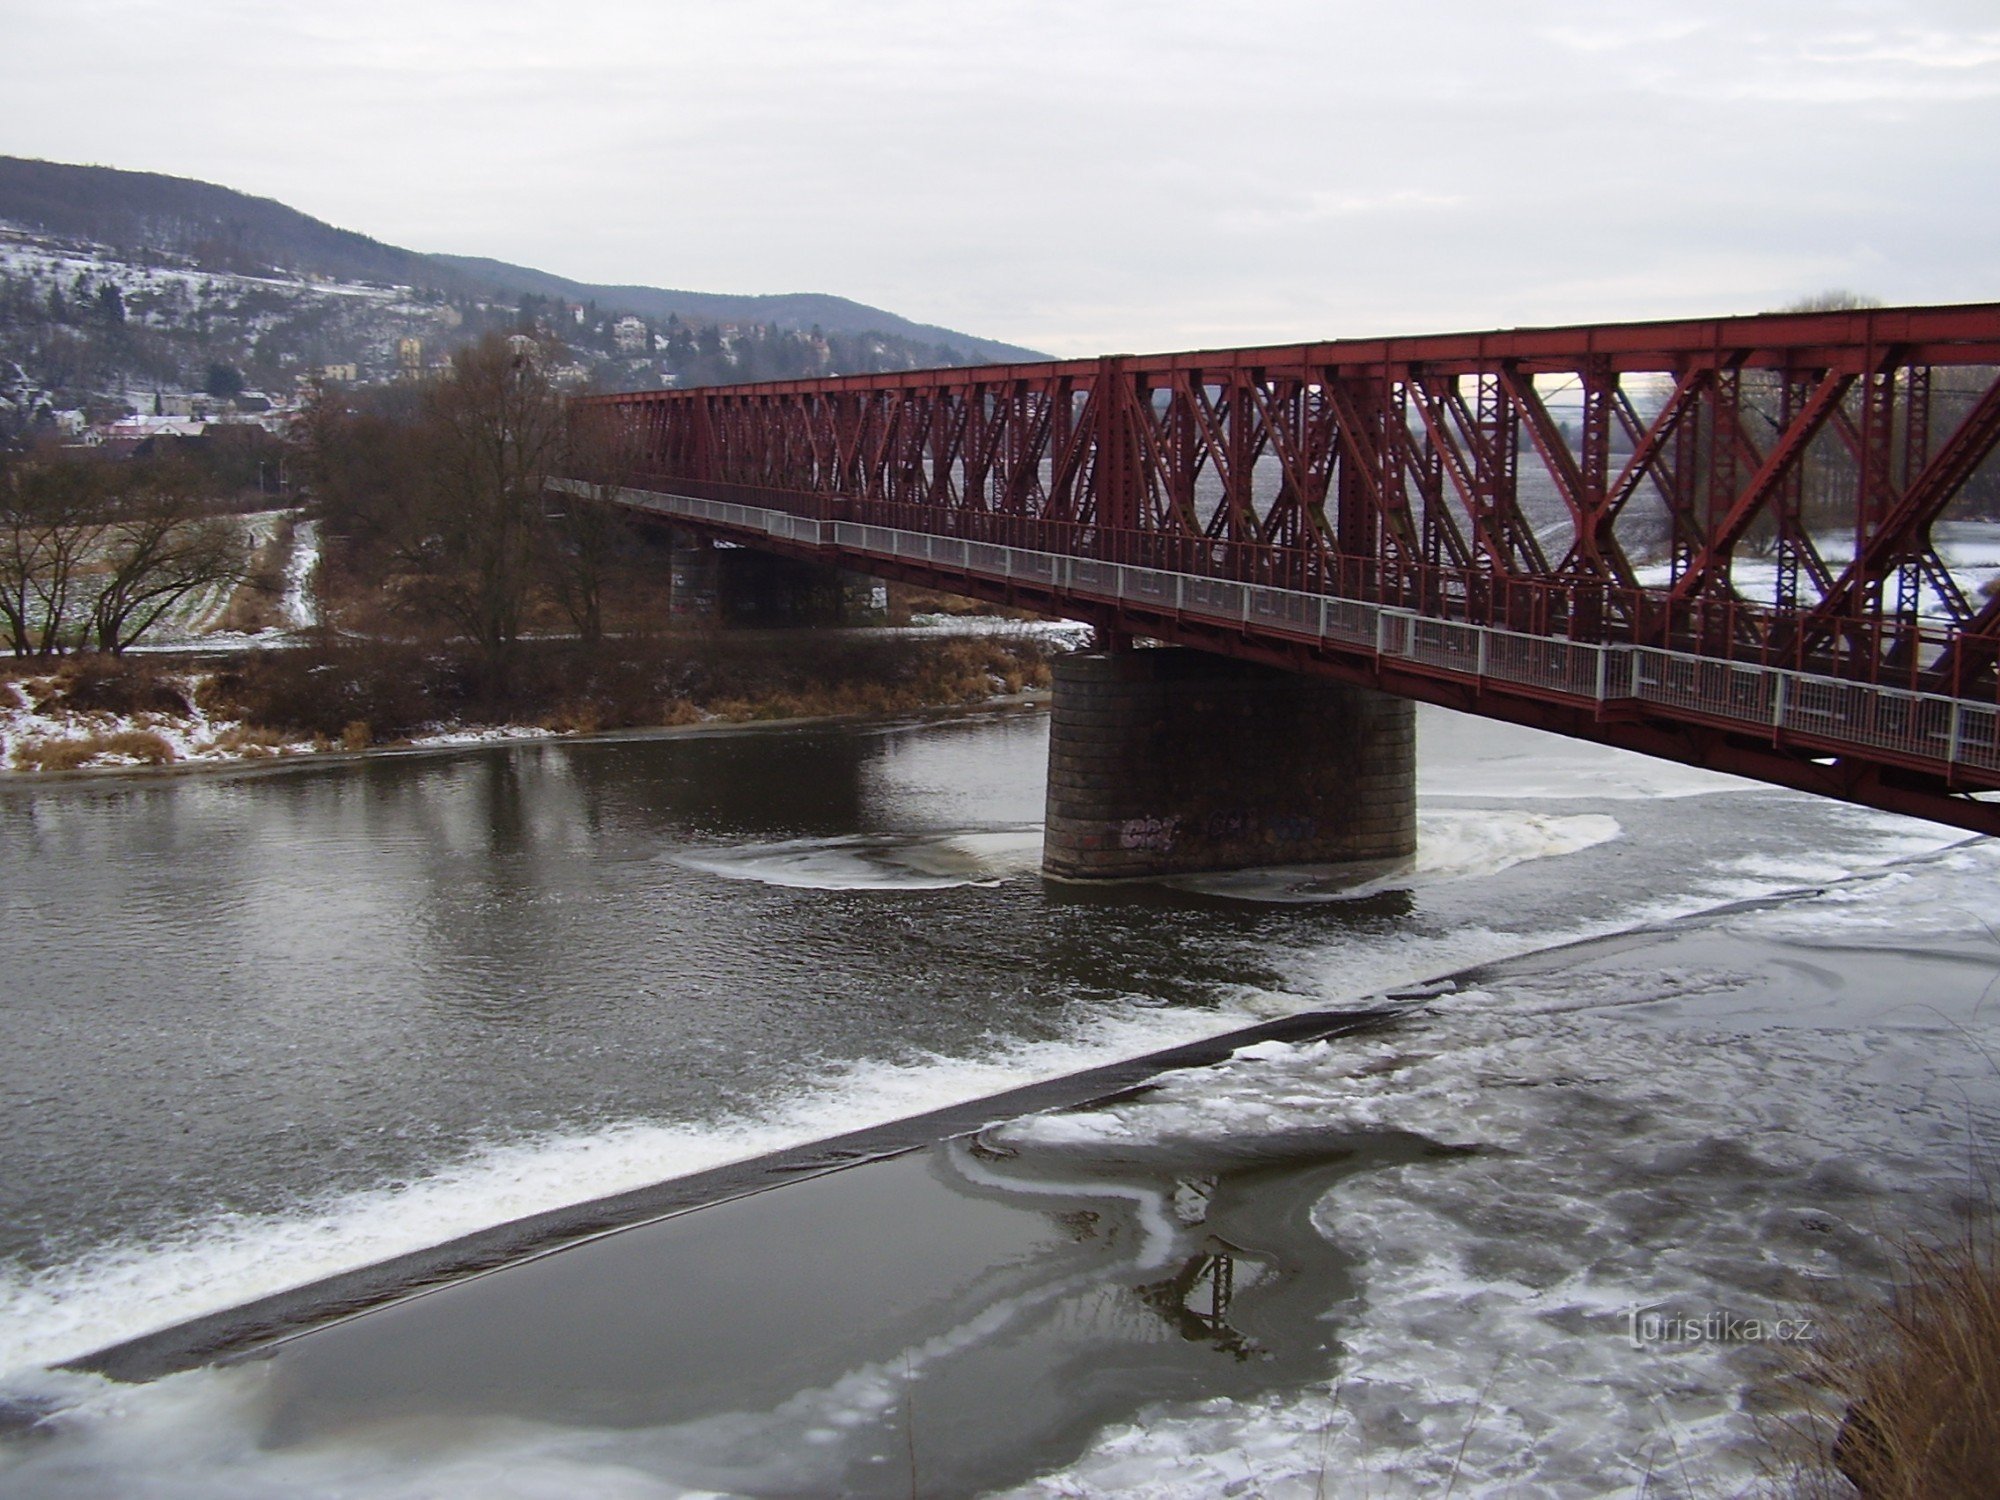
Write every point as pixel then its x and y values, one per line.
pixel 1776 466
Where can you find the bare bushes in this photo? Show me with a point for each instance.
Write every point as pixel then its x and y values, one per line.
pixel 391 688
pixel 98 683
pixel 822 674
pixel 96 709
pixel 371 692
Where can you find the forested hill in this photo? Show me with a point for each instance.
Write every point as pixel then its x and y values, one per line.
pixel 130 290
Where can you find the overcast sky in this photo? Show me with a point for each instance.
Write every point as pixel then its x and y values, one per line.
pixel 1089 176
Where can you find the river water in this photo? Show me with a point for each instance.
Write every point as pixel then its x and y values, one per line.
pixel 267 1025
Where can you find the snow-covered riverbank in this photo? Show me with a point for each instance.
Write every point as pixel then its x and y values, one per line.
pixel 41 732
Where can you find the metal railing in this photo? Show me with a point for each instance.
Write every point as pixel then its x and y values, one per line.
pixel 1935 730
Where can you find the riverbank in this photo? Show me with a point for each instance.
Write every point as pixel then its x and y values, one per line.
pixel 100 714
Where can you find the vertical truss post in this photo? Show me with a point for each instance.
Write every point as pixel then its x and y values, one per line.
pixel 1875 495
pixel 1789 501
pixel 1360 497
pixel 1913 453
pixel 1496 456
pixel 1118 475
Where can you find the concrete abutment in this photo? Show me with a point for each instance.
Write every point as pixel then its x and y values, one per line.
pixel 1171 761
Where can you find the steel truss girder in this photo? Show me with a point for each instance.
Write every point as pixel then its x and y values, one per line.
pixel 1396 469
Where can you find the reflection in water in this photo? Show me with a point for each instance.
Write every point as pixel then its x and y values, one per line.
pixel 1196 1298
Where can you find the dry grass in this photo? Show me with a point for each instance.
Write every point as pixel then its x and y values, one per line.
pixel 573 718
pixel 134 745
pixel 249 741
pixel 1912 1407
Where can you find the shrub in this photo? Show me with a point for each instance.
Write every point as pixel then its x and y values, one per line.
pixel 321 691
pixel 1916 1387
pixel 53 755
pixel 94 682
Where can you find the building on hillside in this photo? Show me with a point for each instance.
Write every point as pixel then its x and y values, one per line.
pixel 340 374
pixel 138 429
pixel 630 335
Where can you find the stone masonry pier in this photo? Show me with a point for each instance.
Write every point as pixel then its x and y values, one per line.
pixel 1172 761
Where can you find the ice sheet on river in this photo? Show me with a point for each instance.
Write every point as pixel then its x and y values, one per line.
pixel 1689 1125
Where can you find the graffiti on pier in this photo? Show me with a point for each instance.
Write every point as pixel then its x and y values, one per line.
pixel 1154 834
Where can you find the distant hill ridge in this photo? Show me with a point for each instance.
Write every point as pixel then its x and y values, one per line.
pixel 224 230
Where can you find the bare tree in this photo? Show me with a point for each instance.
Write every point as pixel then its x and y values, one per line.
pixel 51 527
pixel 494 432
pixel 603 450
pixel 98 553
pixel 157 550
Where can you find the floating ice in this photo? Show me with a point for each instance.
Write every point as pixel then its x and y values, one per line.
pixel 1451 845
pixel 865 862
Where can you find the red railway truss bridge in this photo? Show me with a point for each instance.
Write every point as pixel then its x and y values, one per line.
pixel 1764 545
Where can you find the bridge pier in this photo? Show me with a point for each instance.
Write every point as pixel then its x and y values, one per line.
pixel 695 578
pixel 1171 761
pixel 745 586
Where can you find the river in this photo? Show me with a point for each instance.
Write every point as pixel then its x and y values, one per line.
pixel 266 1025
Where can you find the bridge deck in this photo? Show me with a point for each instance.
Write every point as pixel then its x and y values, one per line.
pixel 1772 723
